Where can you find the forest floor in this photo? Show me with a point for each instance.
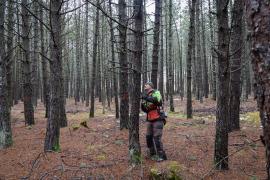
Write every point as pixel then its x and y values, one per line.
pixel 101 151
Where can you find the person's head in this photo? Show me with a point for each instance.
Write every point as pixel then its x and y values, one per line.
pixel 148 86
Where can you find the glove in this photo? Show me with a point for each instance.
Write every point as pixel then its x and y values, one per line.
pixel 144 96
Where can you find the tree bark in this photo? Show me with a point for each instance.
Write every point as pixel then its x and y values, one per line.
pixel 115 82
pixel 123 76
pixel 258 21
pixel 5 121
pixel 235 78
pixel 93 80
pixel 189 58
pixel 55 116
pixel 171 73
pixel 155 52
pixel 221 158
pixel 134 141
pixel 27 82
pixel 87 91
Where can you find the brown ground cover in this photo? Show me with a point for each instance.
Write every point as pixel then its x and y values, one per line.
pixel 101 151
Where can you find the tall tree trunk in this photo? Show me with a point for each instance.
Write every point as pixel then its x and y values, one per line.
pixel 205 64
pixel 27 82
pixel 221 140
pixel 189 58
pixel 156 43
pixel 134 141
pixel 35 55
pixel 198 60
pixel 258 21
pixel 145 48
pixel 161 68
pixel 55 116
pixel 93 80
pixel 123 76
pixel 171 73
pixel 45 74
pixel 236 51
pixel 87 92
pixel 9 57
pixel 5 121
pixel 78 57
pixel 213 61
pixel 115 82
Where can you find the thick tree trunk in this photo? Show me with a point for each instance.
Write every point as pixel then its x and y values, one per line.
pixel 55 116
pixel 189 58
pixel 156 43
pixel 5 124
pixel 221 158
pixel 123 76
pixel 236 51
pixel 93 80
pixel 258 21
pixel 134 142
pixel 27 82
pixel 78 58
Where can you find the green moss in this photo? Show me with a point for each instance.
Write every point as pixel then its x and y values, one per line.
pixel 56 147
pixel 135 157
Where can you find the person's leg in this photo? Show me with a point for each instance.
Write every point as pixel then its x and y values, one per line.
pixel 149 138
pixel 157 130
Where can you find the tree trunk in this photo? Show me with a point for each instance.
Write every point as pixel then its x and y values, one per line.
pixel 198 60
pixel 9 57
pixel 27 82
pixel 236 51
pixel 55 116
pixel 213 61
pixel 156 43
pixel 45 74
pixel 115 82
pixel 134 142
pixel 258 21
pixel 93 80
pixel 87 92
pixel 123 76
pixel 171 73
pixel 5 121
pixel 78 57
pixel 161 68
pixel 221 140
pixel 189 58
pixel 205 64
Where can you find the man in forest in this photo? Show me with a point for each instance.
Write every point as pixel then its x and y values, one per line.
pixel 151 105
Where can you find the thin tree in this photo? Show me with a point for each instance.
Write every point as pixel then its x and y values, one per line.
pixel 86 39
pixel 170 73
pixel 156 43
pixel 221 158
pixel 258 21
pixel 93 78
pixel 5 124
pixel 189 57
pixel 27 82
pixel 115 82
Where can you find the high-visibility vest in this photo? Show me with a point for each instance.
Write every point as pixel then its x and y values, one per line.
pixel 153 113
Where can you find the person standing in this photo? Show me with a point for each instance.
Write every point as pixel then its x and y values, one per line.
pixel 152 106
